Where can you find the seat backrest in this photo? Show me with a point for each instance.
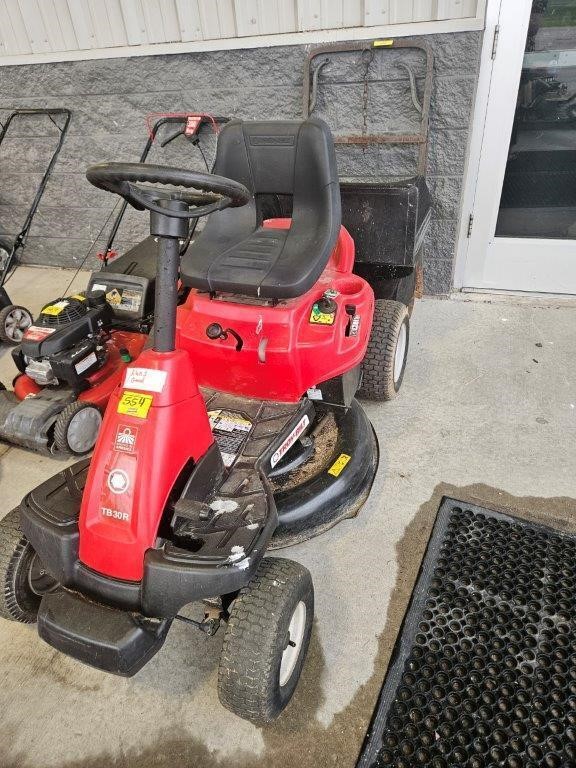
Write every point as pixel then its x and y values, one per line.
pixel 282 157
pixel 286 158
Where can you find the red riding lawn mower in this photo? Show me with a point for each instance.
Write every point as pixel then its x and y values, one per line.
pixel 238 431
pixel 73 355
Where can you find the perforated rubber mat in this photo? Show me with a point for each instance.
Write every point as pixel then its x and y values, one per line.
pixel 483 673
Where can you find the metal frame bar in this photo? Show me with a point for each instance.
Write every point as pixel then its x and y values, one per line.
pixel 421 138
pixel 165 120
pixel 20 239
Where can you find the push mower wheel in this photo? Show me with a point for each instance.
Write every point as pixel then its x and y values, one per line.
pixel 23 577
pixel 14 320
pixel 385 361
pixel 266 641
pixel 76 428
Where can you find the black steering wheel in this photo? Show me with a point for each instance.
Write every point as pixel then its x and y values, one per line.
pixel 212 193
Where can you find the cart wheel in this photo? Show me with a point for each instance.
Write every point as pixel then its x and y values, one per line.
pixel 385 361
pixel 76 428
pixel 22 575
pixel 14 320
pixel 266 641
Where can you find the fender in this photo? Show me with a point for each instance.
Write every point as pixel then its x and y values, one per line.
pixel 156 421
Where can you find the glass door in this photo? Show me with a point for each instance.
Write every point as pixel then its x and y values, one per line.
pixel 523 234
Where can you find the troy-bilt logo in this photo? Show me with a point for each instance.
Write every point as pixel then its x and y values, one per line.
pixel 115 514
pixel 290 440
pixel 118 481
pixel 126 438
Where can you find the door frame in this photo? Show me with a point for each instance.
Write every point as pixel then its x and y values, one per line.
pixel 507 24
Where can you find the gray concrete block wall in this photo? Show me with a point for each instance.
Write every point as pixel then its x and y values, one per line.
pixel 110 99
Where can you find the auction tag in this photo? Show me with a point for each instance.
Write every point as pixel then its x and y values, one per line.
pixel 135 404
pixel 339 464
pixel 145 378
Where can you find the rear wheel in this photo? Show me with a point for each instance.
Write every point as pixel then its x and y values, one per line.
pixel 76 428
pixel 14 320
pixel 266 641
pixel 385 360
pixel 22 576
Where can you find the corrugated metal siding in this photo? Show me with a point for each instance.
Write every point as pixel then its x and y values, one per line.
pixel 54 26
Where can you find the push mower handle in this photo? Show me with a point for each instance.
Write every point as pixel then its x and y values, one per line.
pixel 212 192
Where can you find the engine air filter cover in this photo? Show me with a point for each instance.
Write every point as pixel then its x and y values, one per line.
pixel 62 312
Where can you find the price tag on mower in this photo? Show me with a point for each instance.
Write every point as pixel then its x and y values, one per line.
pixel 135 404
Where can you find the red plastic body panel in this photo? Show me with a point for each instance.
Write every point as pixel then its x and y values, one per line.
pixel 283 353
pixel 102 382
pixel 129 482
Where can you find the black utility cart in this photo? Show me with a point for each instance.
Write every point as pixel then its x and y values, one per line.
pixel 389 218
pixel 14 319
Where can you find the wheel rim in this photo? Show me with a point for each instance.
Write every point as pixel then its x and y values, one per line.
pixel 291 653
pixel 16 322
pixel 400 353
pixel 83 430
pixel 39 580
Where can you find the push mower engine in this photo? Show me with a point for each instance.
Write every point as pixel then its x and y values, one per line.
pixel 74 354
pixel 67 342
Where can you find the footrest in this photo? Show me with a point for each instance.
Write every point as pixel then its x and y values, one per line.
pixel 103 637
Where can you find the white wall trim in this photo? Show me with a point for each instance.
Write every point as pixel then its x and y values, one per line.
pixel 260 41
pixel 476 141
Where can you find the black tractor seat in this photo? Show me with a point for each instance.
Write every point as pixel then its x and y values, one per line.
pixel 235 253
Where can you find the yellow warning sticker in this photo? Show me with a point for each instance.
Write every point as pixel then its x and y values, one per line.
pixel 339 464
pixel 321 318
pixel 114 296
pixel 383 43
pixel 79 297
pixel 135 404
pixel 55 309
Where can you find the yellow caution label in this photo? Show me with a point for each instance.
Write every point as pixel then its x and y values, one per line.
pixel 55 309
pixel 321 318
pixel 339 464
pixel 382 43
pixel 135 404
pixel 114 296
pixel 79 297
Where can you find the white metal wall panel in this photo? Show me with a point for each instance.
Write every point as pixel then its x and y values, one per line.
pixel 189 18
pixel 376 12
pixel 13 36
pixel 44 27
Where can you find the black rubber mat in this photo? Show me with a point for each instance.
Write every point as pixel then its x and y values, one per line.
pixel 483 673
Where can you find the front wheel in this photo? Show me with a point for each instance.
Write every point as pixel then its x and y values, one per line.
pixel 14 320
pixel 385 360
pixel 266 641
pixel 23 578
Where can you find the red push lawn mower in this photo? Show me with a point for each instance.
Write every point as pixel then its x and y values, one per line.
pixel 236 432
pixel 14 319
pixel 73 356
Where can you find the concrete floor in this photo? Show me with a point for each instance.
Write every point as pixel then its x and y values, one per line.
pixel 487 410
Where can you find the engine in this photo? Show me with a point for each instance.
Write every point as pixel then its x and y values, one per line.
pixel 66 342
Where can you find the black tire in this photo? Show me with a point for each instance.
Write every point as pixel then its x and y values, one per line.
pixel 14 320
pixel 382 374
pixel 257 637
pixel 23 579
pixel 70 417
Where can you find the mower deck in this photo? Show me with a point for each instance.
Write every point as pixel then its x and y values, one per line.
pixel 215 537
